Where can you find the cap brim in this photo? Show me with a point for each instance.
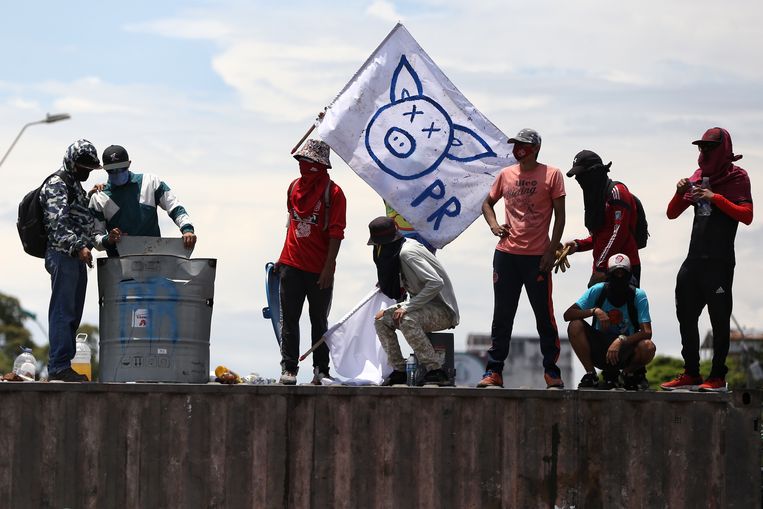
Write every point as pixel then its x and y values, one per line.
pixel 705 142
pixel 576 170
pixel 300 157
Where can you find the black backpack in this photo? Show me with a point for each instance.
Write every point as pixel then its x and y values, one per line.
pixel 641 233
pixel 30 223
pixel 631 302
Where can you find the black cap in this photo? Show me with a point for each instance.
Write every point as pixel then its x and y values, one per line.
pixel 383 231
pixel 585 161
pixel 115 158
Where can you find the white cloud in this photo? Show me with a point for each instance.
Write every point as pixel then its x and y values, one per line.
pixel 210 29
pixel 384 10
pixel 22 104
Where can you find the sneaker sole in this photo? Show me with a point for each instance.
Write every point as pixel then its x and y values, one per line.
pixel 707 389
pixel 680 388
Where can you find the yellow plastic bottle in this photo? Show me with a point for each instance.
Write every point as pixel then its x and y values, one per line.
pixel 81 362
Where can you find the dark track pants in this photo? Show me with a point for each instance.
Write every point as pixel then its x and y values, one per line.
pixel 295 285
pixel 703 283
pixel 510 273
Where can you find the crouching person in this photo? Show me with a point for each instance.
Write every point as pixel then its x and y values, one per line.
pixel 431 304
pixel 619 338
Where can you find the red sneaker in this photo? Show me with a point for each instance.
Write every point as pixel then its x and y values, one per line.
pixel 491 379
pixel 684 381
pixel 715 384
pixel 553 382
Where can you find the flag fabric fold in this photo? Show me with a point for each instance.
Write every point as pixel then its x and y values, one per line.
pixel 356 353
pixel 406 130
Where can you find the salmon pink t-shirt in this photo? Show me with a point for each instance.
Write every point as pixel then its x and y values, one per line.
pixel 528 198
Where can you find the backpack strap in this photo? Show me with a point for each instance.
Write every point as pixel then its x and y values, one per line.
pixel 327 204
pixel 326 201
pixel 630 301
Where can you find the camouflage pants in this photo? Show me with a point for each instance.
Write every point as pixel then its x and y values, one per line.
pixel 433 316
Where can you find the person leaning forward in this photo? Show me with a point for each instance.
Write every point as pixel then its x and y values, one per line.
pixel 127 204
pixel 317 209
pixel 620 337
pixel 431 304
pixel 532 192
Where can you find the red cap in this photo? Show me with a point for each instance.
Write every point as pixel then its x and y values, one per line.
pixel 713 135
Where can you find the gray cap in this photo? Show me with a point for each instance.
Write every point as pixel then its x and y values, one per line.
pixel 526 135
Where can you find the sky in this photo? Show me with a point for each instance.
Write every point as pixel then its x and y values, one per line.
pixel 212 95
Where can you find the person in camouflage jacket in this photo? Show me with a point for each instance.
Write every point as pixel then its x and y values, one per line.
pixel 69 224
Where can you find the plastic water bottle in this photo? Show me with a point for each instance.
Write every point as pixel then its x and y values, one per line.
pixel 410 370
pixel 703 206
pixel 25 365
pixel 81 362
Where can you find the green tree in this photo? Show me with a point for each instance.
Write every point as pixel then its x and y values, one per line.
pixel 664 368
pixel 13 334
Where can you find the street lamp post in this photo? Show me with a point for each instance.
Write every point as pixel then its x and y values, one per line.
pixel 49 119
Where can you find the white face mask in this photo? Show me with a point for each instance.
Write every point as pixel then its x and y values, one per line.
pixel 119 177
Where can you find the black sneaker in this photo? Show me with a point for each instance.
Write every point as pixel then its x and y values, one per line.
pixel 589 381
pixel 609 381
pixel 635 382
pixel 67 375
pixel 395 378
pixel 436 377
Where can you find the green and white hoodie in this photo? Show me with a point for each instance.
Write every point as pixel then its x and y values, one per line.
pixel 132 208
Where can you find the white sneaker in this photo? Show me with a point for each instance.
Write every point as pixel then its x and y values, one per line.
pixel 319 376
pixel 288 378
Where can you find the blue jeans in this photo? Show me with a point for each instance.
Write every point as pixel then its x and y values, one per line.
pixel 68 281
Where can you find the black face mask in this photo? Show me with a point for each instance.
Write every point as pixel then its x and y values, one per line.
pixel 618 287
pixel 387 260
pixel 81 173
pixel 595 185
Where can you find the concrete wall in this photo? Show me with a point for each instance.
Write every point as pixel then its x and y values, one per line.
pixel 185 446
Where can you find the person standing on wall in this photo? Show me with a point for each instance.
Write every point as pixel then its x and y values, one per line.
pixel 69 225
pixel 706 276
pixel 532 193
pixel 610 216
pixel 317 209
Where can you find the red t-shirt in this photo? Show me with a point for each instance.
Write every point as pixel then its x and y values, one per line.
pixel 306 244
pixel 529 202
pixel 616 234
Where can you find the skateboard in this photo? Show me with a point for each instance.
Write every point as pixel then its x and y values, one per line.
pixel 273 310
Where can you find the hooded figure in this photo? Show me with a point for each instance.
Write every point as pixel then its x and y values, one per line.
pixel 706 276
pixel 611 215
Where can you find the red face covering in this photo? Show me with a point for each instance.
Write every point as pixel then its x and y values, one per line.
pixel 309 188
pixel 520 151
pixel 726 178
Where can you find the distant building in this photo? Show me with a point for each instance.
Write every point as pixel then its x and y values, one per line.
pixel 751 340
pixel 524 366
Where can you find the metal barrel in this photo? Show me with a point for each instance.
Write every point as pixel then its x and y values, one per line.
pixel 155 318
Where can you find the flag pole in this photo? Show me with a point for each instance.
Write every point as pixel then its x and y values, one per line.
pixel 340 322
pixel 309 131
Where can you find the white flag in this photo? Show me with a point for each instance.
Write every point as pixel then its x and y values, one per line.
pixel 409 133
pixel 356 353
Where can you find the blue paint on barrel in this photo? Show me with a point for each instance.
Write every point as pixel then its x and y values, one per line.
pixel 155 318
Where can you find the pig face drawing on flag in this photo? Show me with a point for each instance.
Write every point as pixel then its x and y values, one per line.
pixel 412 135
